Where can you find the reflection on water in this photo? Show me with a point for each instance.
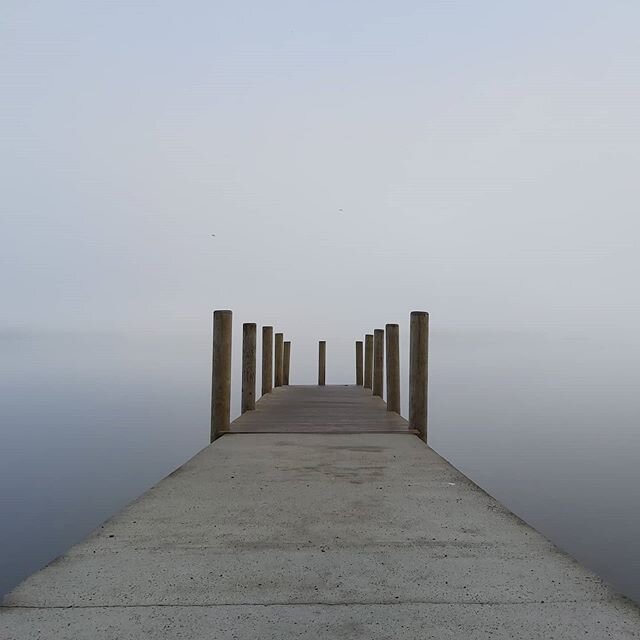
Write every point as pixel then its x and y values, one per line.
pixel 546 422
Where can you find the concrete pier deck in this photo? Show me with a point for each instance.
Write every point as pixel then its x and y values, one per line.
pixel 307 534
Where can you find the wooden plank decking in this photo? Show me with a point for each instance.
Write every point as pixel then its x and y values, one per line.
pixel 312 409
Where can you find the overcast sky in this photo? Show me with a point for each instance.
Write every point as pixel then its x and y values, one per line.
pixel 354 160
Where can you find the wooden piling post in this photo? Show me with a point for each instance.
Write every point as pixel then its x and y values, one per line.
pixel 378 361
pixel 392 332
pixel 359 374
pixel 279 360
pixel 267 360
pixel 248 402
pixel 418 371
pixel 221 373
pixel 368 361
pixel 322 363
pixel 286 367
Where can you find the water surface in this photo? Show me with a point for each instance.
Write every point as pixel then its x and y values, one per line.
pixel 546 421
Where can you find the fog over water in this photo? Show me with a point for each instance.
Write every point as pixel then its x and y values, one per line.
pixel 355 162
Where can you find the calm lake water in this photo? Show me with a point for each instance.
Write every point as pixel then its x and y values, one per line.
pixel 546 421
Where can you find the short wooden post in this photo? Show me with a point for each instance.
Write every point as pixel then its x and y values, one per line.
pixel 359 375
pixel 392 332
pixel 248 402
pixel 378 361
pixel 322 363
pixel 368 361
pixel 279 360
pixel 267 360
pixel 221 373
pixel 418 371
pixel 287 364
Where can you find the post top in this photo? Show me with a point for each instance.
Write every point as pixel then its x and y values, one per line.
pixel 391 325
pixel 222 312
pixel 420 313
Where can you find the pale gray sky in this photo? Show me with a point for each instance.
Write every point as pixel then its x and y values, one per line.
pixel 484 154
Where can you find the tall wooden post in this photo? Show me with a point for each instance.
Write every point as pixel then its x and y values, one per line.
pixel 418 371
pixel 221 373
pixel 279 360
pixel 286 368
pixel 393 367
pixel 378 361
pixel 322 363
pixel 248 402
pixel 359 375
pixel 267 360
pixel 368 361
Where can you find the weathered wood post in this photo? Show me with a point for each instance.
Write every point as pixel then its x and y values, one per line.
pixel 418 371
pixel 322 363
pixel 368 361
pixel 221 373
pixel 392 332
pixel 267 360
pixel 279 360
pixel 248 402
pixel 359 375
pixel 378 361
pixel 286 368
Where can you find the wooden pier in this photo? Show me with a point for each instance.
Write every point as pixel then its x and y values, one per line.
pixel 328 409
pixel 318 513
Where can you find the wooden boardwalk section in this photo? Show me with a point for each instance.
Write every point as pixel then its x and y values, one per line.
pixel 319 516
pixel 313 409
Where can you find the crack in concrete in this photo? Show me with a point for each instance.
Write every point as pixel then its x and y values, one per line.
pixel 465 603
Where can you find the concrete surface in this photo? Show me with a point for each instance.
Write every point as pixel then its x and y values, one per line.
pixel 368 535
